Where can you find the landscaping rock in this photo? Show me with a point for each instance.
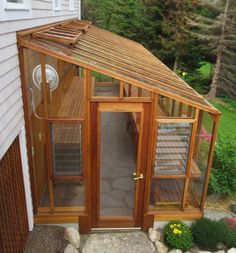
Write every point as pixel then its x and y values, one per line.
pixel 153 235
pixel 73 236
pixel 232 250
pixel 194 249
pixel 202 251
pixel 160 247
pixel 220 251
pixel 175 251
pixel 70 249
pixel 220 246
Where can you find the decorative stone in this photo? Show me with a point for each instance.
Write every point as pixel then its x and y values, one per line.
pixel 175 251
pixel 220 246
pixel 135 242
pixel 72 235
pixel 194 249
pixel 202 251
pixel 70 249
pixel 153 235
pixel 232 250
pixel 220 251
pixel 160 247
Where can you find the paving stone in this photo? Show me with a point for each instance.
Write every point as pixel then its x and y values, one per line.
pixel 136 242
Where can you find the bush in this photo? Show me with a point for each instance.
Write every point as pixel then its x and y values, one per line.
pixel 208 233
pixel 178 235
pixel 223 173
pixel 230 238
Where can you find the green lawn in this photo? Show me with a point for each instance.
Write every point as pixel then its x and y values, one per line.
pixel 228 117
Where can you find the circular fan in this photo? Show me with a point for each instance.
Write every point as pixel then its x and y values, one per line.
pixel 52 78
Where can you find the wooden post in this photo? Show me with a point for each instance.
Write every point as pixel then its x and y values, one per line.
pixel 190 156
pixel 210 160
pixel 151 153
pixel 121 90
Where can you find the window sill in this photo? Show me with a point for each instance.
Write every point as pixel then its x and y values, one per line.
pixel 16 7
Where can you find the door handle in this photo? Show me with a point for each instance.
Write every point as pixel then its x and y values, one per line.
pixel 137 178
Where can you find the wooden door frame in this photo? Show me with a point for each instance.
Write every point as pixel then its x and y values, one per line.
pixel 96 109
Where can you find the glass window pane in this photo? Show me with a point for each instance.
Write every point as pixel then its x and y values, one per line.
pixel 134 91
pixel 69 194
pixel 166 193
pixel 172 148
pixel 37 127
pixel 118 161
pixel 200 157
pixel 65 89
pixel 104 86
pixel 66 139
pixel 167 107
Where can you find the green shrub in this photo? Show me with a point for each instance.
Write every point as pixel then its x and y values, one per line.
pixel 208 233
pixel 223 173
pixel 178 235
pixel 230 238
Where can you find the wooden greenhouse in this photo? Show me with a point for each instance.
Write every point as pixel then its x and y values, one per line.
pixel 115 138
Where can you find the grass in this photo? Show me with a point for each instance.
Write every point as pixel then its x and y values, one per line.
pixel 228 117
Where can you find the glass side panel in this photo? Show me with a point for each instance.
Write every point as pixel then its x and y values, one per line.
pixel 167 107
pixel 69 194
pixel 65 88
pixel 66 139
pixel 37 127
pixel 118 160
pixel 134 91
pixel 172 148
pixel 200 157
pixel 104 86
pixel 166 193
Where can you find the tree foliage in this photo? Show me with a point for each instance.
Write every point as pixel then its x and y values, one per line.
pixel 168 29
pixel 216 26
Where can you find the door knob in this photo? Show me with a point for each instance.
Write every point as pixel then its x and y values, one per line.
pixel 137 178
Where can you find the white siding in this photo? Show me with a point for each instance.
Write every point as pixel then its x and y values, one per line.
pixel 11 105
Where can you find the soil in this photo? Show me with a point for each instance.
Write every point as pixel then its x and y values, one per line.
pixel 48 239
pixel 219 202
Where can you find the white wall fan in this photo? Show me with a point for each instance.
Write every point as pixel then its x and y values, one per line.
pixel 52 80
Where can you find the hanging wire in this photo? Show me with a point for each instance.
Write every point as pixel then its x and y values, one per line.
pixel 33 104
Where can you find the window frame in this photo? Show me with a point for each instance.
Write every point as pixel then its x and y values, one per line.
pixel 72 5
pixel 57 7
pixel 25 5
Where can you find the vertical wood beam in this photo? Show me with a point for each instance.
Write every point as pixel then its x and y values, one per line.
pixel 180 109
pixel 151 150
pixel 86 224
pixel 190 156
pixel 121 94
pixel 210 160
pixel 199 127
pixel 47 129
pixel 173 108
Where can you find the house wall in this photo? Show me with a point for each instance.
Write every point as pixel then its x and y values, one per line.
pixel 40 12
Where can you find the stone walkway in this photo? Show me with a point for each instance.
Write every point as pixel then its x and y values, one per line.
pixel 135 242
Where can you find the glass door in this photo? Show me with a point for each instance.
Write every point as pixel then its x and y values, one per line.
pixel 120 128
